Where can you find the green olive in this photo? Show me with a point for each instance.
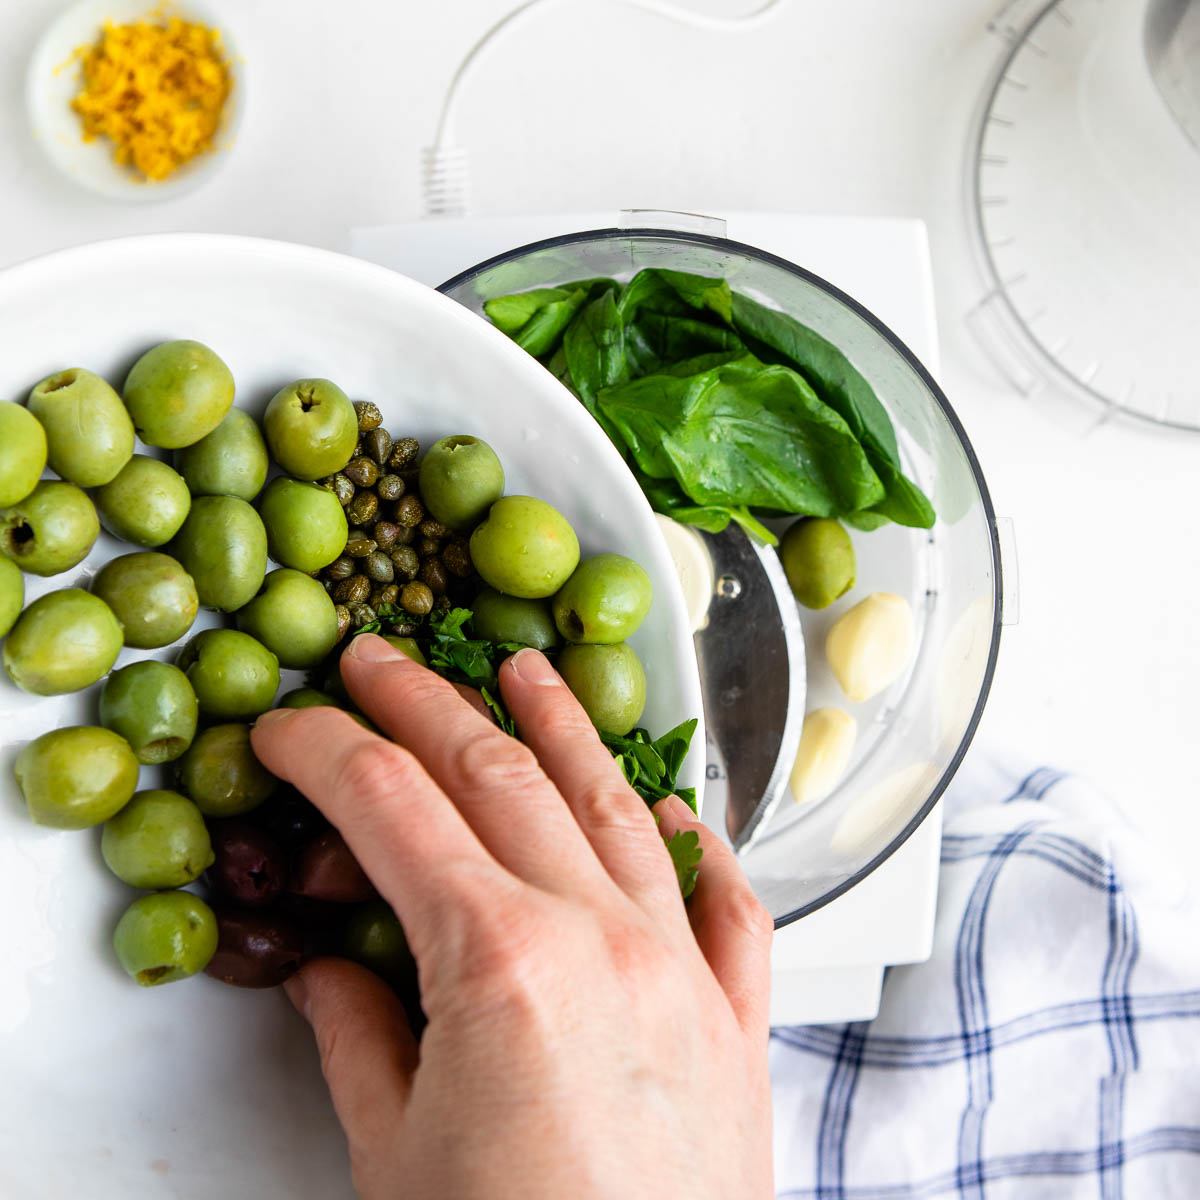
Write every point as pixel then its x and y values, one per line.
pixel 408 647
pixel 222 775
pixel 499 618
pixel 12 594
pixel 460 479
pixel 76 777
pixel 235 677
pixel 292 616
pixel 818 559
pixel 158 840
pixel 51 530
pixel 311 428
pixel 22 452
pixel 164 937
pixel 374 937
pixel 153 597
pixel 146 503
pixel 152 706
pixel 230 461
pixel 176 393
pixel 605 600
pixel 306 525
pixel 62 642
pixel 223 547
pixel 89 435
pixel 524 548
pixel 609 682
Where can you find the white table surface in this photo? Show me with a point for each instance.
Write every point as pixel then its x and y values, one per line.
pixel 856 107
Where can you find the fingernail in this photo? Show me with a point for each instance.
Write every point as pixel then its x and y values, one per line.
pixel 533 667
pixel 274 717
pixel 297 993
pixel 373 649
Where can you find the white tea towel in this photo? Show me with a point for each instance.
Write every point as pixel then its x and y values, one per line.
pixel 1050 1048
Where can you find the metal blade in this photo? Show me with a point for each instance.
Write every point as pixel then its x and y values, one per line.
pixel 752 674
pixel 1172 43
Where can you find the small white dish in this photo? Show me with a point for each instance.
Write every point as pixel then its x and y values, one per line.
pixel 53 81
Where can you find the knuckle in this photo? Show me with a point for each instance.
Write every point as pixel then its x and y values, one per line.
pixel 605 809
pixel 372 771
pixel 743 910
pixel 496 765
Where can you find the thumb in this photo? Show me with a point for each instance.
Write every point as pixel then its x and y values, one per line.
pixel 368 1052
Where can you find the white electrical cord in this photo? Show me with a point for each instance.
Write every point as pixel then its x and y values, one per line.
pixel 446 167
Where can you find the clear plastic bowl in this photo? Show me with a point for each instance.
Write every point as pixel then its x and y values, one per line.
pixel 912 738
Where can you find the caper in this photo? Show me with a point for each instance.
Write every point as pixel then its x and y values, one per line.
pixel 404 452
pixel 388 593
pixel 405 536
pixel 352 591
pixel 416 598
pixel 362 471
pixel 406 562
pixel 344 620
pixel 428 546
pixel 340 486
pixel 361 614
pixel 389 487
pixel 384 533
pixel 358 545
pixel 405 628
pixel 340 568
pixel 379 567
pixel 431 527
pixel 434 574
pixel 358 448
pixel 363 508
pixel 378 445
pixel 369 417
pixel 410 512
pixel 442 605
pixel 456 558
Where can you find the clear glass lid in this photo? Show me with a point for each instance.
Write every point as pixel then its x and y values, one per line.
pixel 1084 199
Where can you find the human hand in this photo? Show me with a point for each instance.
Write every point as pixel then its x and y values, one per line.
pixel 588 1035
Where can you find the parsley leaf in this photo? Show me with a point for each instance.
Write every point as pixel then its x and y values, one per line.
pixel 652 767
pixel 686 853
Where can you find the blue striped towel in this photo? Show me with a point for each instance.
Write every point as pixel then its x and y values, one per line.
pixel 1050 1048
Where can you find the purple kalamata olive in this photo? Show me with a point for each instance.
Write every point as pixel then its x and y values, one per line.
pixel 325 869
pixel 291 818
pixel 249 866
pixel 255 949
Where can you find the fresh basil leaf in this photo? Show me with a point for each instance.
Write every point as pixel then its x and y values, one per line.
pixel 830 373
pixel 866 522
pixel 673 745
pixel 903 501
pixel 510 313
pixel 675 339
pixel 744 436
pixel 542 334
pixel 660 289
pixel 594 345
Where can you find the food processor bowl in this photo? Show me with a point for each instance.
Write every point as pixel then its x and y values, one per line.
pixel 911 738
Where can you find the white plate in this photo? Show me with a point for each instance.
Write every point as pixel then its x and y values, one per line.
pixel 196 1089
pixel 53 80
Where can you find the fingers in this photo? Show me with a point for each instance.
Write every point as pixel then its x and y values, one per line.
pixel 368 1052
pixel 613 817
pixel 492 778
pixel 732 928
pixel 407 836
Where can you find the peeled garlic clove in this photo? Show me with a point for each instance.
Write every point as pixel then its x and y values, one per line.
pixel 869 646
pixel 694 567
pixel 826 743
